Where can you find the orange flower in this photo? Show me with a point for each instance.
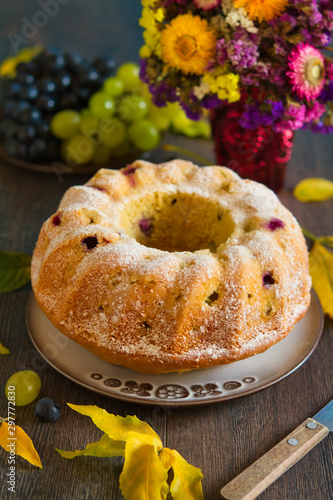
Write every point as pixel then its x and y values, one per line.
pixel 188 43
pixel 262 9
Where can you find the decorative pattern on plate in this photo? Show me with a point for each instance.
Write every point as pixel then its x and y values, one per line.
pixel 201 391
pixel 138 389
pixel 96 376
pixel 172 391
pixel 112 382
pixel 232 385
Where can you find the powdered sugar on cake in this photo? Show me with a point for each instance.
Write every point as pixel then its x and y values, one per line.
pixel 172 267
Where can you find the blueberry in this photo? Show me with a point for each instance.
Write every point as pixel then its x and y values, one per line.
pixel 29 93
pixel 47 85
pixel 63 81
pixel 145 225
pixel 90 242
pixel 9 128
pixel 83 93
pixel 76 63
pixel 37 149
pixel 275 224
pixel 104 65
pixel 31 115
pixel 268 280
pixel 56 63
pixel 16 148
pixel 25 78
pixel 13 89
pixel 20 108
pixel 90 78
pixel 69 101
pixel 43 129
pixel 47 410
pixel 9 108
pixel 46 103
pixel 26 134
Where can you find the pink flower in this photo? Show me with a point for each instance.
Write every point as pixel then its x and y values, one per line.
pixel 293 119
pixel 307 71
pixel 206 4
pixel 315 112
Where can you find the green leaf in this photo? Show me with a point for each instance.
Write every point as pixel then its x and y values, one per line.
pixel 3 349
pixel 143 476
pixel 187 478
pixel 14 271
pixel 313 189
pixel 116 427
pixel 105 447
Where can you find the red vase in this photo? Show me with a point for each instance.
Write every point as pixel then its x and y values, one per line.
pixel 259 154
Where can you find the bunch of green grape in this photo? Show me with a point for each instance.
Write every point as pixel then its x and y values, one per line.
pixel 120 119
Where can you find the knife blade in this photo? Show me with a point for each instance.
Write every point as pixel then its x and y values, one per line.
pixel 258 476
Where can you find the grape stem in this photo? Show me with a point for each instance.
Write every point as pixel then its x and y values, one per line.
pixel 187 152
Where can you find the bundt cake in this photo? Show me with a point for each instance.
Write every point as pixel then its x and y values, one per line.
pixel 171 267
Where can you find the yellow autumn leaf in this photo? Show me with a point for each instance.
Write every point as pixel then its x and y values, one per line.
pixel 117 427
pixel 321 270
pixel 8 65
pixel 105 447
pixel 313 189
pixel 143 477
pixel 18 441
pixel 3 349
pixel 186 482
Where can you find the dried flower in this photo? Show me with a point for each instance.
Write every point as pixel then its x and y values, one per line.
pixel 270 53
pixel 188 43
pixel 307 71
pixel 262 9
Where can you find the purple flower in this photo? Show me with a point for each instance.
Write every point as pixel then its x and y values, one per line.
pixel 242 54
pixel 143 70
pixel 163 93
pixel 276 108
pixel 323 129
pixel 327 93
pixel 211 101
pixel 252 118
pixel 221 52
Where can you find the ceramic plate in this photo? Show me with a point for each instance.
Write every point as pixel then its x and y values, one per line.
pixel 196 387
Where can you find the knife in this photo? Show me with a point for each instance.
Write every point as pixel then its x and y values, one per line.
pixel 256 478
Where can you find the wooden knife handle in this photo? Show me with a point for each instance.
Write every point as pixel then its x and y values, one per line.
pixel 256 478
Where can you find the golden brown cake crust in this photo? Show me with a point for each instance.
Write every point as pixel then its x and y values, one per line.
pixel 171 267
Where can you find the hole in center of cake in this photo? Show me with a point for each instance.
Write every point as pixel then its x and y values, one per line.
pixel 178 222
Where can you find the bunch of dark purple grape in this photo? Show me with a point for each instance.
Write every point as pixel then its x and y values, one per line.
pixel 54 80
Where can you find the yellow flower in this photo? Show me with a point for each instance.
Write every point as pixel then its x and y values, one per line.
pixel 188 43
pixel 262 9
pixel 225 86
pixel 144 52
pixel 151 35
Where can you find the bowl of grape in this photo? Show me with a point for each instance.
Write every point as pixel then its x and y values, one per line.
pixel 61 113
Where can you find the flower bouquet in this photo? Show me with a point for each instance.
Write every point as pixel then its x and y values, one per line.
pixel 261 66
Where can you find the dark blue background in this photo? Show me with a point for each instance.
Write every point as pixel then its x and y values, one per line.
pixel 92 27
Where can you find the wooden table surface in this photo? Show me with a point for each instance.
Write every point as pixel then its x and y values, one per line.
pixel 221 439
